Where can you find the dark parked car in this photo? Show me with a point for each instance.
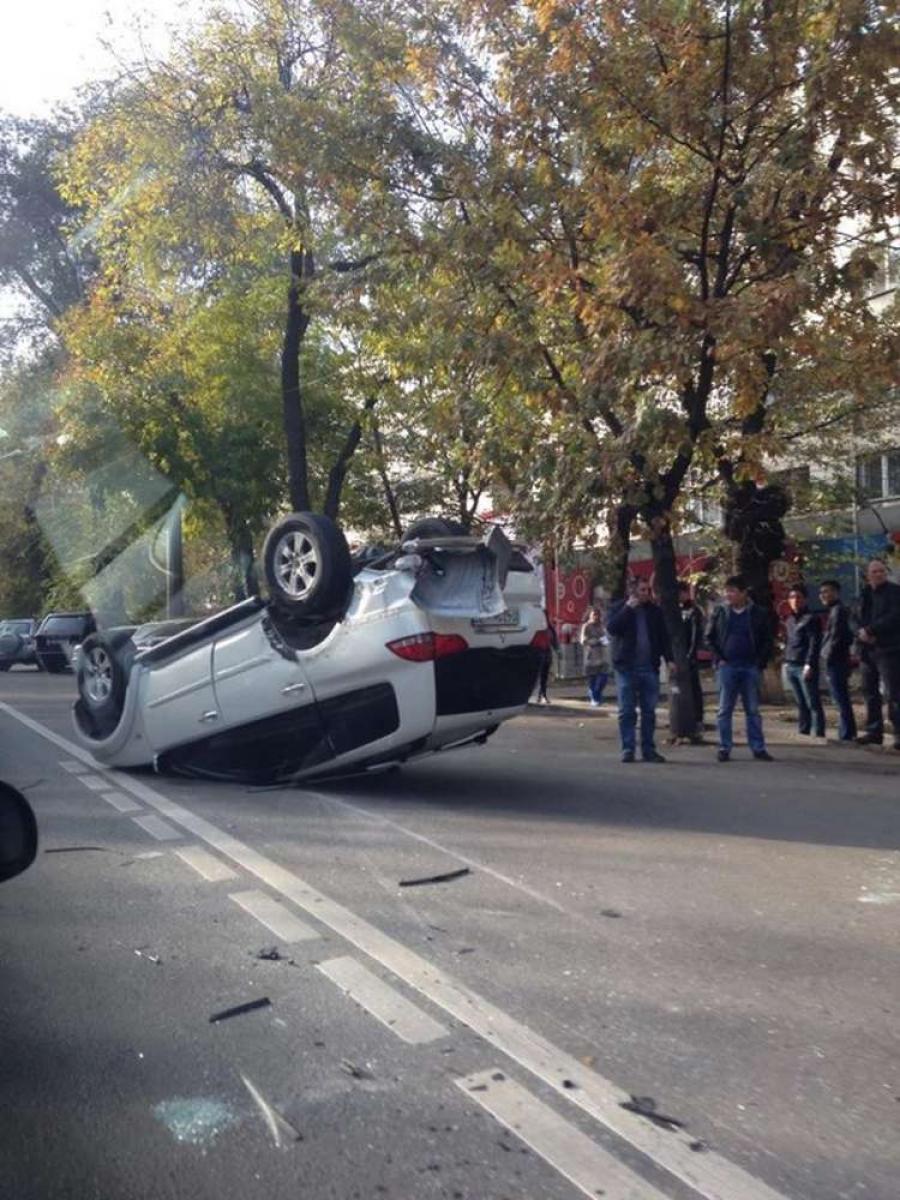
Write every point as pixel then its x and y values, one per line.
pixel 17 642
pixel 58 635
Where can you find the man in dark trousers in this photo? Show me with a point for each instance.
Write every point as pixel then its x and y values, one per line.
pixel 879 638
pixel 802 650
pixel 692 621
pixel 837 642
pixel 640 641
pixel 740 637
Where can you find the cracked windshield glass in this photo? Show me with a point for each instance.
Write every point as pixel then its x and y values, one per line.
pixel 450 600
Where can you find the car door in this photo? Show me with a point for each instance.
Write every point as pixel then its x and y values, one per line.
pixel 179 703
pixel 254 677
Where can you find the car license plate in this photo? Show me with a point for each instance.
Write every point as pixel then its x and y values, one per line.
pixel 509 619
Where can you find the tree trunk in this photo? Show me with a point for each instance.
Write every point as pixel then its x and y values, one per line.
pixel 338 473
pixel 296 325
pixel 753 522
pixel 623 516
pixel 682 723
pixel 240 541
pixel 389 493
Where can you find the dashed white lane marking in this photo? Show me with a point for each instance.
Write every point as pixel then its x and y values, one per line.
pixel 119 800
pixel 279 920
pixel 73 766
pixel 382 1001
pixel 427 841
pixel 592 1169
pixel 710 1175
pixel 156 827
pixel 211 868
pixel 97 783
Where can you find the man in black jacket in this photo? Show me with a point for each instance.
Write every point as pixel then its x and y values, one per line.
pixel 740 636
pixel 802 649
pixel 640 641
pixel 879 637
pixel 837 643
pixel 692 622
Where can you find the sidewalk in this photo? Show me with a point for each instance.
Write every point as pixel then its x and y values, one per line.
pixel 568 698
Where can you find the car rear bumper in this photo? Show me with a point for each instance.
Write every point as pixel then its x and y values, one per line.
pixel 485 679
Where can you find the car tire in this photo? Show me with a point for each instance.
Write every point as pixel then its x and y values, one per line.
pixel 307 566
pixel 433 527
pixel 102 679
pixel 5 666
pixel 52 667
pixel 11 646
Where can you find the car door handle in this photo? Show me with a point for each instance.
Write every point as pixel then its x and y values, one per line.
pixel 293 687
pixel 209 716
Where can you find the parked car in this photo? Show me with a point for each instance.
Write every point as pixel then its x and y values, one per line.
pixel 58 635
pixel 347 666
pixel 17 642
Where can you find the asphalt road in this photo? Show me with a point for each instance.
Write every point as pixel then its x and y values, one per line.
pixel 720 941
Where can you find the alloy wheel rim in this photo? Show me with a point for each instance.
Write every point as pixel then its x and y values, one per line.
pixel 296 564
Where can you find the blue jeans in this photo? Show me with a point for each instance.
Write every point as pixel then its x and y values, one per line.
pixel 839 686
pixel 639 687
pixel 596 682
pixel 743 682
pixel 809 700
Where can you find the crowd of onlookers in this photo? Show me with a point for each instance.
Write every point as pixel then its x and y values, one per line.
pixel 631 641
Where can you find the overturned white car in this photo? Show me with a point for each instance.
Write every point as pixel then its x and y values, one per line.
pixel 348 666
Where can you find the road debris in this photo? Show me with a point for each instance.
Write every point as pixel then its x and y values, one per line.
pixel 645 1106
pixel 195 1120
pixel 282 1131
pixel 270 954
pixel 609 912
pixel 699 1147
pixel 355 1071
pixel 74 849
pixel 154 958
pixel 239 1010
pixel 446 877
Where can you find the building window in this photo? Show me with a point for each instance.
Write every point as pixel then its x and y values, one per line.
pixel 878 476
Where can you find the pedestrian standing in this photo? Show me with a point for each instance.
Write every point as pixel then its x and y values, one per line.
pixel 837 643
pixel 879 638
pixel 692 623
pixel 595 643
pixel 547 662
pixel 800 670
pixel 640 641
pixel 740 637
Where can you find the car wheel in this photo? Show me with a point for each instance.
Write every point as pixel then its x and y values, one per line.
pixel 102 679
pixel 307 565
pixel 433 527
pixel 10 647
pixel 5 666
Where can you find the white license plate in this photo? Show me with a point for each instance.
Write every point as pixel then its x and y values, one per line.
pixel 505 620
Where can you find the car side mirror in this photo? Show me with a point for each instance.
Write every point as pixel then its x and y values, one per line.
pixel 18 833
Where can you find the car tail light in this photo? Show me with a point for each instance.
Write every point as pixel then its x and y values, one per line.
pixel 426 647
pixel 541 640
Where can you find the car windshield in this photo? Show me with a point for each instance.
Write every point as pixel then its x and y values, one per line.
pixel 451 452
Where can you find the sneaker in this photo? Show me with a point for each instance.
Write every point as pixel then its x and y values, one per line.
pixel 627 756
pixel 763 756
pixel 723 755
pixel 594 703
pixel 654 756
pixel 869 739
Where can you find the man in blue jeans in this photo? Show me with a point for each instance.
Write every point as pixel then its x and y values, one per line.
pixel 740 637
pixel 640 641
pixel 802 651
pixel 837 644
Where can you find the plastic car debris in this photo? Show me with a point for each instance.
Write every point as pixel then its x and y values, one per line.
pixel 446 877
pixel 73 849
pixel 282 1131
pixel 354 1070
pixel 239 1009
pixel 645 1106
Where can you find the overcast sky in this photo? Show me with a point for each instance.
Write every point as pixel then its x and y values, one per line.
pixel 49 47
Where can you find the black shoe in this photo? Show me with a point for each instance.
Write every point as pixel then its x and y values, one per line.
pixel 723 755
pixel 654 756
pixel 763 756
pixel 627 756
pixel 869 739
pixel 897 743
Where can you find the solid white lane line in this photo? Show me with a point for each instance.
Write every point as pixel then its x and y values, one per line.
pixel 97 783
pixel 427 841
pixel 592 1169
pixel 211 868
pixel 383 1001
pixel 710 1175
pixel 156 827
pixel 73 766
pixel 279 920
pixel 119 800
